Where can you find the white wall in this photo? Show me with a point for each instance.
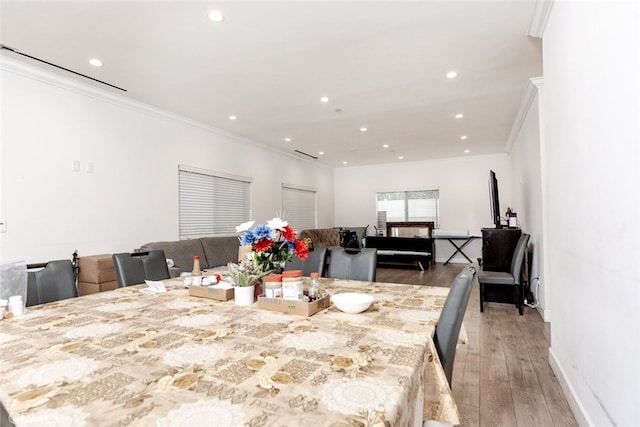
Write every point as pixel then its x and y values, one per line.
pixel 464 193
pixel 131 198
pixel 527 191
pixel 592 163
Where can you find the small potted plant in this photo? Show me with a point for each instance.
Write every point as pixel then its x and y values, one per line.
pixel 245 274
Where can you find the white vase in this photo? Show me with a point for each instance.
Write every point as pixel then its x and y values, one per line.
pixel 244 295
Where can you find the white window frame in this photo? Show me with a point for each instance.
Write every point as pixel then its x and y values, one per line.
pixel 211 203
pixel 295 206
pixel 403 208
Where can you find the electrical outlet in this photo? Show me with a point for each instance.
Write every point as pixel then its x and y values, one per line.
pixel 3 226
pixel 75 166
pixel 89 167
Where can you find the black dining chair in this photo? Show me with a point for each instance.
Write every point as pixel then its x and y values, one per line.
pixel 51 281
pixel 353 264
pixel 450 321
pixel 135 268
pixel 511 278
pixel 316 262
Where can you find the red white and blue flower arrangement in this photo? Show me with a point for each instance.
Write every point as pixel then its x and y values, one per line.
pixel 272 244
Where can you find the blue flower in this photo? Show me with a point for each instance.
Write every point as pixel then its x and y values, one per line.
pixel 247 238
pixel 261 231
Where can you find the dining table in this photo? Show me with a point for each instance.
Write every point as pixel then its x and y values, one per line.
pixel 130 357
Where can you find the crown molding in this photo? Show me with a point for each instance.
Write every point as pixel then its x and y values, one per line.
pixel 539 18
pixel 44 76
pixel 35 73
pixel 530 92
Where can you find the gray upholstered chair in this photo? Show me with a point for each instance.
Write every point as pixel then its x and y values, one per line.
pixel 155 265
pixel 450 321
pixel 353 264
pixel 315 262
pixel 133 269
pixel 511 278
pixel 52 281
pixel 5 421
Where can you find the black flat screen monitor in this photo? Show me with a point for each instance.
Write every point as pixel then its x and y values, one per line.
pixel 495 201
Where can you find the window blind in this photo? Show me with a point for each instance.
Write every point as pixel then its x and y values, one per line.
pixel 416 205
pixel 211 203
pixel 299 207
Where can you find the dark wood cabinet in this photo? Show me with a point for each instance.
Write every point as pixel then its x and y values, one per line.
pixel 498 245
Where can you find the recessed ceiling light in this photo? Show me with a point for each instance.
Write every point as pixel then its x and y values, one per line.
pixel 400 157
pixel 363 129
pixel 385 146
pixel 459 116
pixel 452 75
pixel 321 152
pixel 216 16
pixel 464 137
pixel 344 163
pixel 324 99
pixel 95 62
pixel 232 117
pixel 288 139
pixel 467 151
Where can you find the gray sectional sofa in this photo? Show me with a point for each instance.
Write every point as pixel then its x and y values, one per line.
pixel 213 252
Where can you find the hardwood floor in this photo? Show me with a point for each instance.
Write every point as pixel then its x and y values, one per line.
pixel 501 376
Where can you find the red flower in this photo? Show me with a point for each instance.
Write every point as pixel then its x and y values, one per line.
pixel 262 245
pixel 301 250
pixel 288 233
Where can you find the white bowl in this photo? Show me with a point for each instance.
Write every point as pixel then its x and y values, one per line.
pixel 352 302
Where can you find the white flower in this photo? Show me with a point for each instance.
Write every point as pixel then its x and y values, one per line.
pixel 277 224
pixel 244 226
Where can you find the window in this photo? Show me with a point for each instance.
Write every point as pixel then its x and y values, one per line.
pixel 418 205
pixel 299 206
pixel 211 203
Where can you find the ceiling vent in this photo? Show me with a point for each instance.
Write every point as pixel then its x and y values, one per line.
pixel 305 154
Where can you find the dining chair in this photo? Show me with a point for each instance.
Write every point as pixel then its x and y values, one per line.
pixel 353 264
pixel 507 278
pixel 135 268
pixel 5 421
pixel 315 262
pixel 51 281
pixel 450 321
pixel 155 265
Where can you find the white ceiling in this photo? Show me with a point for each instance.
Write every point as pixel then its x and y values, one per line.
pixel 382 64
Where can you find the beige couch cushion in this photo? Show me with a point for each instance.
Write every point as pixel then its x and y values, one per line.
pixel 322 237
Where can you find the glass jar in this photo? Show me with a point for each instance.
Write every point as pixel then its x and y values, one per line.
pixel 273 286
pixel 292 287
pixel 314 287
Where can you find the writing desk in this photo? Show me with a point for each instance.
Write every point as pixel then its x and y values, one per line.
pixel 129 358
pixel 452 238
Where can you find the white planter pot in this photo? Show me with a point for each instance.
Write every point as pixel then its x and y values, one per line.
pixel 244 295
